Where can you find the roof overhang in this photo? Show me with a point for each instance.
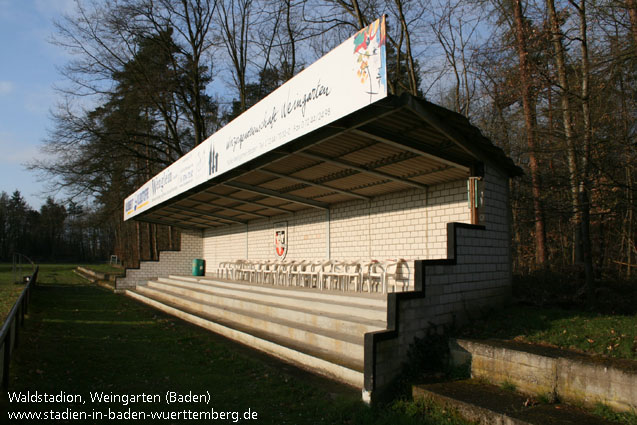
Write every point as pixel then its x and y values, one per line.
pixel 395 144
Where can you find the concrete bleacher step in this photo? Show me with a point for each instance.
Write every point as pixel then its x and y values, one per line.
pixel 336 342
pixel 359 298
pixel 307 357
pixel 488 404
pixel 371 302
pixel 320 330
pixel 343 317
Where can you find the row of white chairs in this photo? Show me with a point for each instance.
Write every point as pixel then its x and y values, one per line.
pixel 356 275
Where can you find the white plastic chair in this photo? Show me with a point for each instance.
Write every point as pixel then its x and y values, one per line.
pixel 309 274
pixel 283 272
pixel 245 270
pixel 294 272
pixel 255 271
pixel 397 271
pixel 270 272
pixel 350 273
pixel 335 273
pixel 222 269
pixel 328 274
pixel 374 274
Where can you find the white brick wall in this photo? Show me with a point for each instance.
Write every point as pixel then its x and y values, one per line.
pixel 409 225
pixel 170 262
pixel 455 293
pixel 306 239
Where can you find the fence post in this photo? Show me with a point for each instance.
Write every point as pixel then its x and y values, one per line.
pixel 16 326
pixel 7 359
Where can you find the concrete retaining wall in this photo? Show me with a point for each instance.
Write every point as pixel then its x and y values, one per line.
pixel 97 275
pixel 568 376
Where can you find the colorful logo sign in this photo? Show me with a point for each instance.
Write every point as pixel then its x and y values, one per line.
pixel 369 54
pixel 281 240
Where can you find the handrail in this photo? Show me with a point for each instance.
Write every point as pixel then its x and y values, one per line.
pixel 20 307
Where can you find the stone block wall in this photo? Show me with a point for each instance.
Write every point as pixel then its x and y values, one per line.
pixel 170 262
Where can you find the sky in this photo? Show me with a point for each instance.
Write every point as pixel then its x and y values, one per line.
pixel 28 72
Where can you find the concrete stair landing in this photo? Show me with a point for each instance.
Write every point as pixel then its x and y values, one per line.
pixel 487 404
pixel 322 331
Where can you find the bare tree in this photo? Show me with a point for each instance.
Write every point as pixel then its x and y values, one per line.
pixel 403 69
pixel 455 30
pixel 528 104
pixel 235 22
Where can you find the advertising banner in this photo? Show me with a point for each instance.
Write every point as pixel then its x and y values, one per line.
pixel 348 78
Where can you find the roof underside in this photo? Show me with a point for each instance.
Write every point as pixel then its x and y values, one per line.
pixel 396 144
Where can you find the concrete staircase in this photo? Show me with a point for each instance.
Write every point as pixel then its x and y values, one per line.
pixel 318 330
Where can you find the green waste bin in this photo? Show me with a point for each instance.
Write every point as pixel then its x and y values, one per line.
pixel 198 267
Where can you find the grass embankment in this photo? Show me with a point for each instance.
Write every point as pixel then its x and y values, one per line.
pixel 104 268
pixel 80 338
pixel 613 335
pixel 549 311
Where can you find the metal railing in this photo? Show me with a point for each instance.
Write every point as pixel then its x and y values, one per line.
pixel 9 333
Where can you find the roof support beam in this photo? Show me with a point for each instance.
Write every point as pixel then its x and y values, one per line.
pixel 428 172
pixel 272 193
pixel 235 209
pixel 311 183
pixel 408 145
pixel 180 225
pixel 433 120
pixel 206 213
pixel 246 201
pixel 362 169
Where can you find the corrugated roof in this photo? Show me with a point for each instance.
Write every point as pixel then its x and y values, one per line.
pixel 395 144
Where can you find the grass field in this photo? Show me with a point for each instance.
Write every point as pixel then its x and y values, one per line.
pixel 9 291
pixel 80 338
pixel 52 273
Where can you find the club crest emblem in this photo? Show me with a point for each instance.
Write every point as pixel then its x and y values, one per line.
pixel 281 240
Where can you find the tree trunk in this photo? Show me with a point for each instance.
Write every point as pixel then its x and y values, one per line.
pixel 362 23
pixel 631 5
pixel 629 223
pixel 150 242
pixel 530 124
pixel 289 73
pixel 139 242
pixel 155 243
pixel 588 136
pixel 413 85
